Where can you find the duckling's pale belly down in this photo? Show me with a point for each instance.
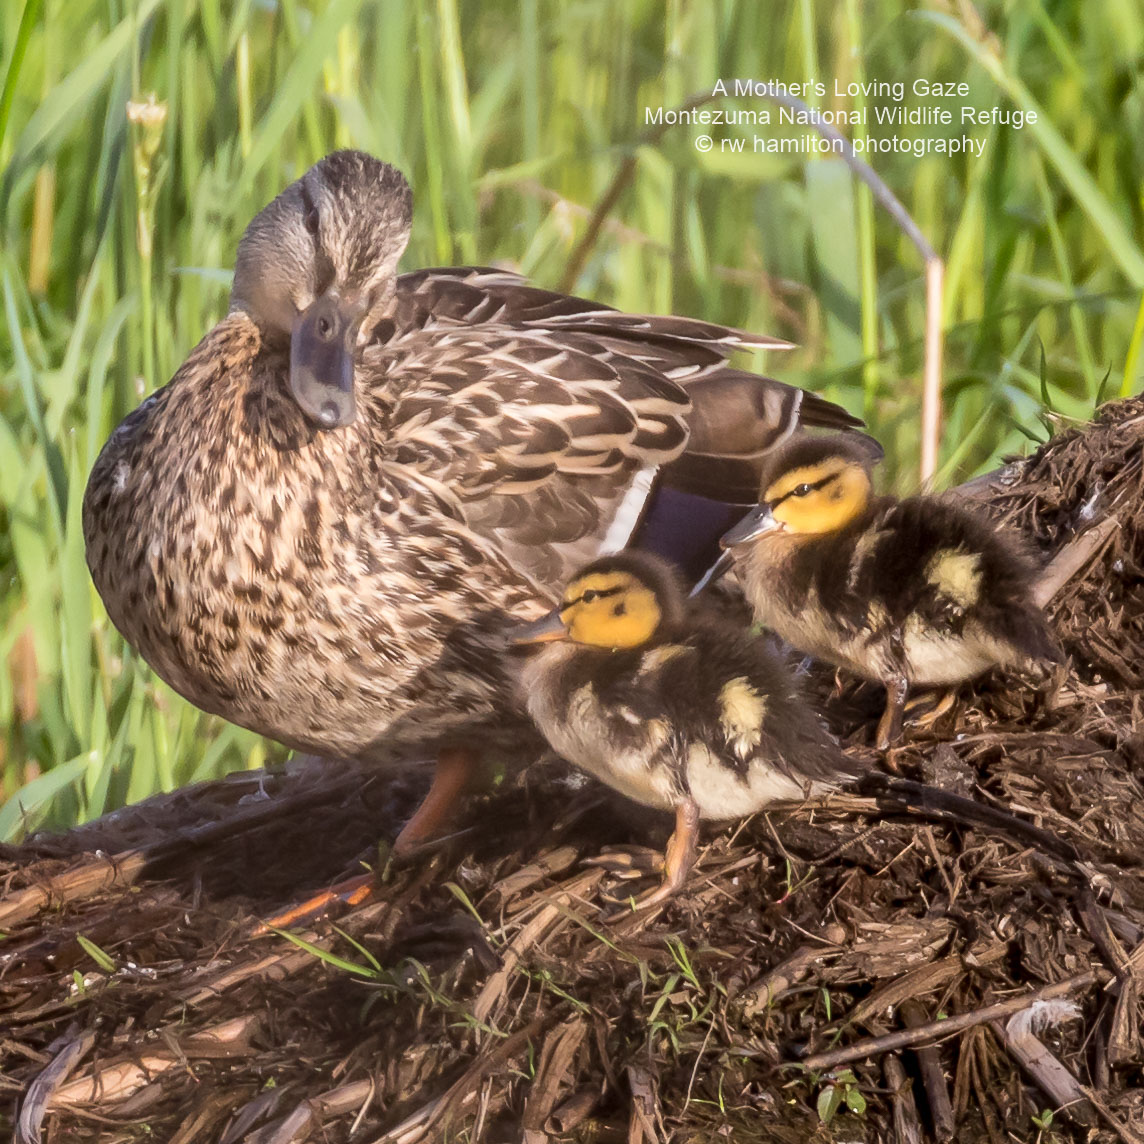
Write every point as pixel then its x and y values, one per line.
pixel 646 759
pixel 924 653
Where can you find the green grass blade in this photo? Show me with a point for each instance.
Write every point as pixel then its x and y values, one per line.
pixel 28 19
pixel 65 103
pixel 1117 237
pixel 296 88
pixel 21 810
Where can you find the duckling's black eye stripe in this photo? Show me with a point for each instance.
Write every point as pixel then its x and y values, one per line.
pixel 595 593
pixel 812 486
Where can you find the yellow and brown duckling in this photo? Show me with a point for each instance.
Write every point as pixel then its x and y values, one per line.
pixel 902 592
pixel 321 526
pixel 670 706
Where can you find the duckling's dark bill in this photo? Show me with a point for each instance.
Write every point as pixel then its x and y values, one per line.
pixel 714 574
pixel 322 361
pixel 544 630
pixel 758 522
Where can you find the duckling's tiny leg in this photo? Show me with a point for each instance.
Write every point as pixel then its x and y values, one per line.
pixel 681 846
pixel 677 861
pixel 890 725
pixel 455 766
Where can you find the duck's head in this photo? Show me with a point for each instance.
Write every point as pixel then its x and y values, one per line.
pixel 317 267
pixel 811 486
pixel 627 600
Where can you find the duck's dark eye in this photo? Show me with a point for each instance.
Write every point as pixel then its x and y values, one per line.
pixel 589 596
pixel 802 490
pixel 311 220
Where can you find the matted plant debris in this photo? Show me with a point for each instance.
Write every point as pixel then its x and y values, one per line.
pixel 829 973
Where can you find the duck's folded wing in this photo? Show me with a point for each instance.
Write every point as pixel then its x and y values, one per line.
pixel 556 422
pixel 679 348
pixel 538 443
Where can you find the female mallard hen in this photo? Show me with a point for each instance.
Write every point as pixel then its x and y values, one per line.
pixel 318 528
pixel 672 707
pixel 898 591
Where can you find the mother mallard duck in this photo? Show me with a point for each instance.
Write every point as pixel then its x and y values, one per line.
pixel 320 527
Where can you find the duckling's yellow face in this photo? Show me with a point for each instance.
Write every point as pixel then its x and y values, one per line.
pixel 819 498
pixel 610 610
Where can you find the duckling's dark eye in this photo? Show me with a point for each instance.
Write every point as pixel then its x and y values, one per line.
pixel 311 220
pixel 589 596
pixel 802 490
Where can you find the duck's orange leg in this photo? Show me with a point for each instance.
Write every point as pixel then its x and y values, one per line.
pixel 455 767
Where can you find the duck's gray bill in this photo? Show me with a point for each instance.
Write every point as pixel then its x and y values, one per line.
pixel 322 362
pixel 758 522
pixel 544 630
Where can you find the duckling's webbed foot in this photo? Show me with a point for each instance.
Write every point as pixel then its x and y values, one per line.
pixel 925 710
pixel 890 725
pixel 627 862
pixel 455 766
pixel 677 860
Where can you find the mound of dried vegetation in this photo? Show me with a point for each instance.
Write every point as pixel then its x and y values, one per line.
pixel 829 974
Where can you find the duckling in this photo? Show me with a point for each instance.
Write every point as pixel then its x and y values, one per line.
pixel 901 592
pixel 321 526
pixel 673 708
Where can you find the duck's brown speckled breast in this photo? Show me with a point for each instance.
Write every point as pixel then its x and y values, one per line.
pixel 294 582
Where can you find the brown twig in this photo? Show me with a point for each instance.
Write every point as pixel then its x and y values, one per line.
pixel 553 1070
pixel 907 1123
pixel 1050 1076
pixel 939 1030
pixel 1072 558
pixel 933 1076
pixel 101 874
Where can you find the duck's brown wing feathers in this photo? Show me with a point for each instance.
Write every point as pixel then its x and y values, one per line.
pixel 551 418
pixel 480 295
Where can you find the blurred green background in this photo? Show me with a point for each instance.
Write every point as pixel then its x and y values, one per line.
pixel 513 121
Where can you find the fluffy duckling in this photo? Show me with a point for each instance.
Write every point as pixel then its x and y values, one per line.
pixel 673 709
pixel 914 591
